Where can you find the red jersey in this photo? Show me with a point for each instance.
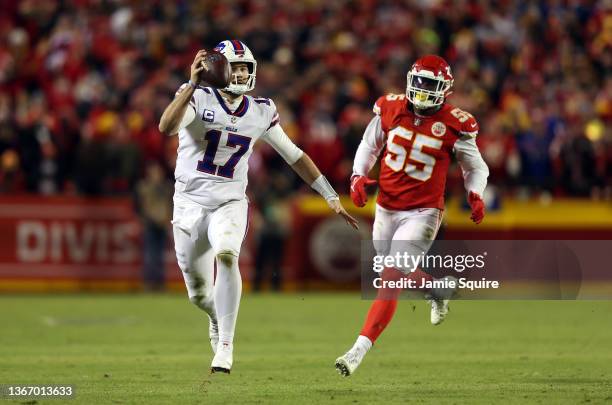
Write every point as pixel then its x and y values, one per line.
pixel 417 152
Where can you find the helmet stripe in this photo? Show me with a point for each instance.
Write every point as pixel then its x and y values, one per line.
pixel 238 47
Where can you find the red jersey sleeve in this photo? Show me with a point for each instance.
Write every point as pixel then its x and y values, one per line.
pixel 378 105
pixel 469 127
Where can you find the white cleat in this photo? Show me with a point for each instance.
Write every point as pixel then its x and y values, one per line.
pixel 213 334
pixel 222 362
pixel 439 310
pixel 439 299
pixel 348 363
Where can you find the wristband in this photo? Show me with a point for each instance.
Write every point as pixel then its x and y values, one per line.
pixel 322 186
pixel 192 84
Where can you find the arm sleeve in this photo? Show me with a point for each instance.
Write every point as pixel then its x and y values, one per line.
pixel 369 149
pixel 190 112
pixel 474 168
pixel 278 139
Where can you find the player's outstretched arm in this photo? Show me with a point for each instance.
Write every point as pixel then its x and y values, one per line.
pixel 306 169
pixel 174 117
pixel 311 174
pixel 365 158
pixel 475 174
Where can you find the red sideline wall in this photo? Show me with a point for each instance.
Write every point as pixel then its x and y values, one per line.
pixel 62 242
pixel 76 243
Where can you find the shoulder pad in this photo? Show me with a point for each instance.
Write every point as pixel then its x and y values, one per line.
pixel 268 105
pixel 263 100
pixel 466 122
pixel 384 100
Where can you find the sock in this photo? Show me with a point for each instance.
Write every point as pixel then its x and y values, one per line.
pixel 228 288
pixel 206 305
pixel 418 276
pixel 382 309
pixel 380 314
pixel 202 284
pixel 213 321
pixel 363 342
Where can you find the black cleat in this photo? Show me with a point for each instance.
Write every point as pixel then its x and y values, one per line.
pixel 219 370
pixel 342 369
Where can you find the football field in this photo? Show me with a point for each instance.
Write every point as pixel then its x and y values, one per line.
pixel 149 349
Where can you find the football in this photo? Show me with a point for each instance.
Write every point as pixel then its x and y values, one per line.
pixel 219 71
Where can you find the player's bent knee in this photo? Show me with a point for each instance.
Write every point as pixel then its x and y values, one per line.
pixel 201 301
pixel 227 258
pixel 185 268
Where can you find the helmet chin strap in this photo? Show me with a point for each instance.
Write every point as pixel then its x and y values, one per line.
pixel 234 92
pixel 231 95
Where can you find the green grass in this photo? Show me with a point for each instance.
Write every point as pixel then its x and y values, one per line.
pixel 147 349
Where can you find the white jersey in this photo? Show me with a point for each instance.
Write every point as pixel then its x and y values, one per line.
pixel 214 149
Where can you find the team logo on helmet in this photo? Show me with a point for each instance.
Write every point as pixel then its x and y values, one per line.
pixel 438 128
pixel 220 46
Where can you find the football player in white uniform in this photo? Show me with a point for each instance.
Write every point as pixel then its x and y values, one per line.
pixel 217 129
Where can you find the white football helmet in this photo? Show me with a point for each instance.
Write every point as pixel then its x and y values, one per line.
pixel 237 52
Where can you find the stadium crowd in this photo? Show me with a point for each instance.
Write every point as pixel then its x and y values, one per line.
pixel 83 84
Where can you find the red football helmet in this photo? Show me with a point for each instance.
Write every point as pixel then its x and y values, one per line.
pixel 429 82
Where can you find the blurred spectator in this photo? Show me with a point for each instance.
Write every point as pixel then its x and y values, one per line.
pixel 272 233
pixel 92 162
pixel 11 179
pixel 154 203
pixel 271 183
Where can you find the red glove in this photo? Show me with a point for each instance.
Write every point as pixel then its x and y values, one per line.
pixel 358 192
pixel 478 207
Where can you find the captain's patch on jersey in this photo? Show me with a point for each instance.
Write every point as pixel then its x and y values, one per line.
pixel 208 116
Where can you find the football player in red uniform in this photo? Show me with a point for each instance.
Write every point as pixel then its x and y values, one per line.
pixel 417 133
